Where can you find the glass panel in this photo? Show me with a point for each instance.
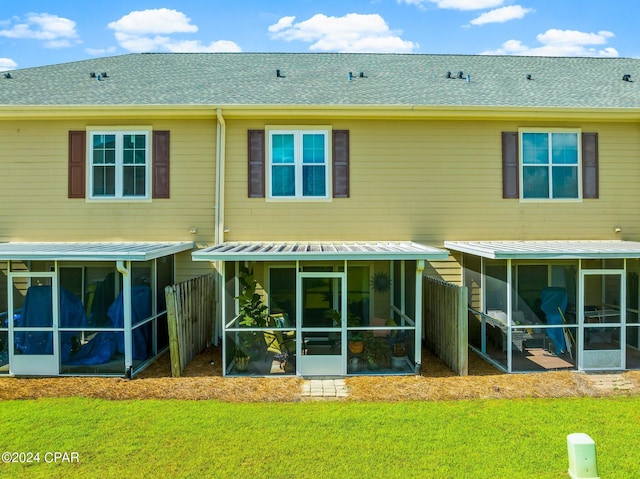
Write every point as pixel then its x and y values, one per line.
pixel 313 181
pixel 36 307
pixel 358 296
pixel 282 292
pixel 92 352
pixel 283 182
pixel 134 150
pixel 535 148
pixel 4 352
pixel 565 182
pixel 134 181
pixel 322 343
pixel 104 147
pixel 496 286
pixel 320 302
pixel 282 148
pixel 633 347
pixel 102 284
pixel 564 148
pixel 104 181
pixel 313 148
pixel 535 181
pixel 33 342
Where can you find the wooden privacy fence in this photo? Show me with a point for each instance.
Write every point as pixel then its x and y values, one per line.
pixel 445 322
pixel 190 314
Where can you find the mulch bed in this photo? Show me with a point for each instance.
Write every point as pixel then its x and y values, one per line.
pixel 202 379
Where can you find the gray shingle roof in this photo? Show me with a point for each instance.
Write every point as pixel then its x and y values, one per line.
pixel 225 79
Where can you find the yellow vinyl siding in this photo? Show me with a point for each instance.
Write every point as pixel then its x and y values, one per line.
pixel 431 181
pixel 34 199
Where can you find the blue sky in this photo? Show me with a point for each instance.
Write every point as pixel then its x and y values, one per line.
pixel 41 32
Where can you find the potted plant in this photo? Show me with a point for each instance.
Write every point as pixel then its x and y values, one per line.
pixel 399 344
pixel 377 353
pixel 242 360
pixel 356 344
pixel 253 314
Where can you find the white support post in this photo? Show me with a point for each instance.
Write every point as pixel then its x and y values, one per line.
pixel 509 317
pixel 418 315
pixel 126 307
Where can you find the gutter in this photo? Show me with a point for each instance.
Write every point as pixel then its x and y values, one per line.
pixel 221 133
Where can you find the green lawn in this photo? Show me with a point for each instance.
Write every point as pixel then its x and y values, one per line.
pixel 201 439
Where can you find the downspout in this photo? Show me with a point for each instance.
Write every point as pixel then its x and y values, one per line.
pixel 418 315
pixel 126 307
pixel 221 133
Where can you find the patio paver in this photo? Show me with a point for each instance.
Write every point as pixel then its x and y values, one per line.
pixel 324 388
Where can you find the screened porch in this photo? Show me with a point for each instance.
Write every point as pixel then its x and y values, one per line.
pixel 83 308
pixel 321 309
pixel 553 305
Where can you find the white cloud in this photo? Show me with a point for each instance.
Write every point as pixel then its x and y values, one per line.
pixel 351 33
pixel 501 15
pixel 150 30
pixel 561 43
pixel 54 31
pixel 456 4
pixel 7 64
pixel 158 21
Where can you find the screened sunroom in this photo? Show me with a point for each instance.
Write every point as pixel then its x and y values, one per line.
pixel 321 309
pixel 83 308
pixel 553 305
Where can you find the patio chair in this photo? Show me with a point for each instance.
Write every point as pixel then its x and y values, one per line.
pixel 281 343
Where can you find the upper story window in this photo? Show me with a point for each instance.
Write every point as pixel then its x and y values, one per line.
pixel 550 165
pixel 298 164
pixel 119 164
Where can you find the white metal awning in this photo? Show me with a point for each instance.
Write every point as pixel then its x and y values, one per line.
pixel 318 251
pixel 87 251
pixel 556 249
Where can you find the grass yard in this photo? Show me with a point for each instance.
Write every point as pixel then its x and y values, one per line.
pixel 476 439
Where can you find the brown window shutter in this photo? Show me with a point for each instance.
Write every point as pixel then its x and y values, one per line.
pixel 590 182
pixel 510 173
pixel 256 163
pixel 160 164
pixel 340 163
pixel 77 163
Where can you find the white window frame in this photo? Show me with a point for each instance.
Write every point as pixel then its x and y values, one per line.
pixel 119 164
pixel 298 165
pixel 550 165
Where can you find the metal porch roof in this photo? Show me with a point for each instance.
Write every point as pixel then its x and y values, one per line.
pixel 556 249
pixel 81 251
pixel 318 251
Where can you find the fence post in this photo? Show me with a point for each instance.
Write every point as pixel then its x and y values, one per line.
pixel 174 343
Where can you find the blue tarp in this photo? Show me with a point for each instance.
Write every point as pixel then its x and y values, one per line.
pixel 552 299
pixel 37 312
pixel 105 344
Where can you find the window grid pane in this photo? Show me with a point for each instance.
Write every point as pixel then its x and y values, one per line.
pixel 282 149
pixel 313 148
pixel 119 165
pixel 550 165
pixel 535 182
pixel 313 181
pixel 104 181
pixel 298 164
pixel 283 181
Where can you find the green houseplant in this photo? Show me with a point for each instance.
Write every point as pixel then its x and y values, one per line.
pixel 376 353
pixel 252 314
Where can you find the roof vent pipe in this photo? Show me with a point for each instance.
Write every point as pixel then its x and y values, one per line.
pixel 448 74
pixel 8 76
pixel 362 75
pixel 278 74
pixel 468 78
pixel 529 77
pixel 460 75
pixel 626 77
pixel 92 75
pixel 350 76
